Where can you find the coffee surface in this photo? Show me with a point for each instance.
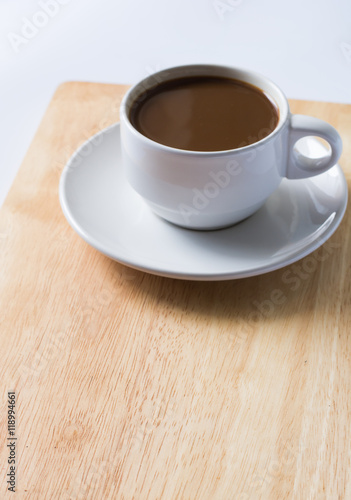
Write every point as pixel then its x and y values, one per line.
pixel 204 113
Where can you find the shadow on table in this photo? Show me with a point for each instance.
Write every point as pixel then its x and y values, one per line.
pixel 302 287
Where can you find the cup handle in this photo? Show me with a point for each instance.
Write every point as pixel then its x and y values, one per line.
pixel 301 166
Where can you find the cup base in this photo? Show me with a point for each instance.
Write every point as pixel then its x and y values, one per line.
pixel 204 221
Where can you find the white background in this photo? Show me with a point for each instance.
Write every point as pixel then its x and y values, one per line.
pixel 304 46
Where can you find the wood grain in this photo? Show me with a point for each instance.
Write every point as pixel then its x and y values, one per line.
pixel 133 386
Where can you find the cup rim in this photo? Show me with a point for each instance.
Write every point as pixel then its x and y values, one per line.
pixel 144 84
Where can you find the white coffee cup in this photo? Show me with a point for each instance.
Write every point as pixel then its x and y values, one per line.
pixel 215 189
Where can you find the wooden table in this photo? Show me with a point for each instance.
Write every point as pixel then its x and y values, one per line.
pixel 133 386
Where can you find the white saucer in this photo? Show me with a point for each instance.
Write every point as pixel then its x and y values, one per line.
pixel 104 210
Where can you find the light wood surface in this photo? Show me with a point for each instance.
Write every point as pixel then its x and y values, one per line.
pixel 133 386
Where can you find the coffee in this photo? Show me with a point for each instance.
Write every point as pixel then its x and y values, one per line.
pixel 204 113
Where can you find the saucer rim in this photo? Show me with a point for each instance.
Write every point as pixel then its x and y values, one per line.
pixel 201 276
